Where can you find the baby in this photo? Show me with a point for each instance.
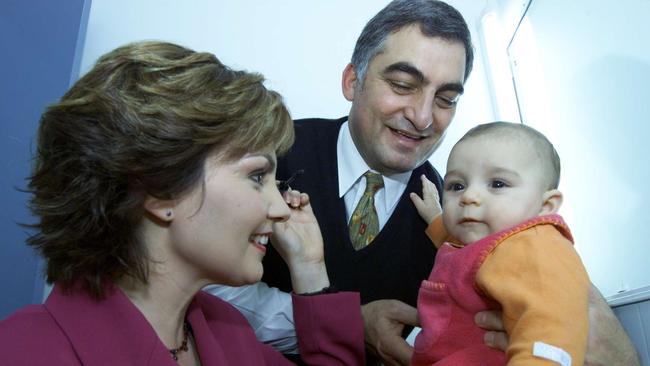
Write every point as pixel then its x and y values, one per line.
pixel 501 245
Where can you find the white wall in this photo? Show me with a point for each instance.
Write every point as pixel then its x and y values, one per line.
pixel 583 75
pixel 601 130
pixel 300 46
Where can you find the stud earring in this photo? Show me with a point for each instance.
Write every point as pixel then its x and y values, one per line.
pixel 168 214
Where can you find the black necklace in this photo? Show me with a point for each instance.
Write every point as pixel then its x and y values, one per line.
pixel 183 347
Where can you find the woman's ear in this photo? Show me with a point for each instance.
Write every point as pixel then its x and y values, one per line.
pixel 162 210
pixel 552 200
pixel 349 82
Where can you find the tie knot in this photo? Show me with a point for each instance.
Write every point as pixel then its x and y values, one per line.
pixel 374 182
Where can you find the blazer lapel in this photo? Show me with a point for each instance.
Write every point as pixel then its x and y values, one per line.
pixel 210 351
pixel 107 332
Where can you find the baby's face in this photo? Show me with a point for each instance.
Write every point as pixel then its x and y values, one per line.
pixel 491 184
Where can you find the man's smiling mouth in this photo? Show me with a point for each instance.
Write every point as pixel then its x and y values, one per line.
pixel 407 135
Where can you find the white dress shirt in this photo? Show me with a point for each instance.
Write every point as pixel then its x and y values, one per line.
pixel 269 310
pixel 352 183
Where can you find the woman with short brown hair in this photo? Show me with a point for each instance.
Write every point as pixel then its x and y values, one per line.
pixel 155 176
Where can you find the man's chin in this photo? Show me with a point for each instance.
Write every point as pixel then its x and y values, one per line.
pixel 394 169
pixel 406 164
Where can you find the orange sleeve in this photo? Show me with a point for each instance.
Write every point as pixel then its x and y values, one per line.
pixel 542 286
pixel 436 232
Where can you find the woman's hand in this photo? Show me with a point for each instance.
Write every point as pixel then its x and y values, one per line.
pixel 300 243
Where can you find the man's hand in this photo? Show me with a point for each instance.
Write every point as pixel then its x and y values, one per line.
pixel 495 336
pixel 608 343
pixel 384 321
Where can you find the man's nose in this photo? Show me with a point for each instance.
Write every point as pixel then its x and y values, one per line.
pixel 420 113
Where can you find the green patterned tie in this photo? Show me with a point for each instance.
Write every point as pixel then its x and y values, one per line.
pixel 364 224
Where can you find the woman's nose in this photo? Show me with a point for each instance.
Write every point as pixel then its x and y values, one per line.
pixel 278 209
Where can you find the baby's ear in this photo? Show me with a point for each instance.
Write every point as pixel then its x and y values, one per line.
pixel 552 200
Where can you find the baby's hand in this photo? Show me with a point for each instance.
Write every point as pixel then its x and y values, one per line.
pixel 429 205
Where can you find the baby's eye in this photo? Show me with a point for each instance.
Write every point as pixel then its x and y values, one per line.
pixel 455 187
pixel 498 184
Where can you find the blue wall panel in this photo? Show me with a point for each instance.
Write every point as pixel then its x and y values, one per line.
pixel 41 43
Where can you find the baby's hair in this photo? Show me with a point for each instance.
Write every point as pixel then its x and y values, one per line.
pixel 542 146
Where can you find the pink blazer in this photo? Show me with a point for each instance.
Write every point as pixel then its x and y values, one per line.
pixel 73 329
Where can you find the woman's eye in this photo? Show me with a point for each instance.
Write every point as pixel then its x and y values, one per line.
pixel 258 177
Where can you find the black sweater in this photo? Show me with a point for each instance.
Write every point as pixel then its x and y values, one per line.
pixel 394 264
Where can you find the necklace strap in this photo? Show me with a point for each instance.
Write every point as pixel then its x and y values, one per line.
pixel 183 347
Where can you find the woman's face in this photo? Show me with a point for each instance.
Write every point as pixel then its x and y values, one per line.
pixel 220 230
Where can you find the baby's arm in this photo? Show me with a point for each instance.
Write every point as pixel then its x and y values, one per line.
pixel 430 210
pixel 429 205
pixel 542 287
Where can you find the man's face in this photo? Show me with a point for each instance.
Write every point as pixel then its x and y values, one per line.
pixel 402 109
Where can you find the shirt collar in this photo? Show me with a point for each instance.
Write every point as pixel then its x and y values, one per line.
pixel 351 167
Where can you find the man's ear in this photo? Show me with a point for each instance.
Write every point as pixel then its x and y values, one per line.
pixel 552 200
pixel 349 82
pixel 162 210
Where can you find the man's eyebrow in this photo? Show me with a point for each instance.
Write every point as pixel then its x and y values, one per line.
pixel 455 87
pixel 406 68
